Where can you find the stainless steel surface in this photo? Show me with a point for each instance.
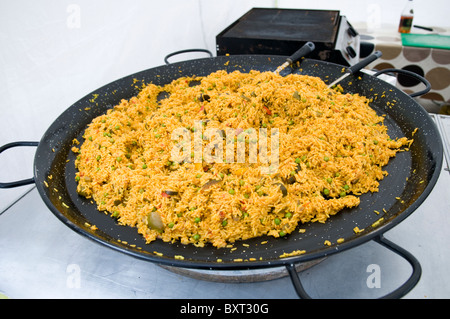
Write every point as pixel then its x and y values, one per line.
pixel 42 258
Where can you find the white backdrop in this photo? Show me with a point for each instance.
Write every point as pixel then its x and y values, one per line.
pixel 52 53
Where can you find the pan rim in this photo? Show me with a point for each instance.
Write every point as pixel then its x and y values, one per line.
pixel 266 263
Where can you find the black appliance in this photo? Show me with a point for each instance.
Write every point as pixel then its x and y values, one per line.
pixel 284 31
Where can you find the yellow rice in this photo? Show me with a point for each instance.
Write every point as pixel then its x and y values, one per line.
pixel 333 144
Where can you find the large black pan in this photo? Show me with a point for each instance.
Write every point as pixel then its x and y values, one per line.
pixel 411 178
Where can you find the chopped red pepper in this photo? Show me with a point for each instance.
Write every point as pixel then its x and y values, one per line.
pixel 267 110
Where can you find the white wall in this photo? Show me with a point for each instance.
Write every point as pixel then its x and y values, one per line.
pixel 54 52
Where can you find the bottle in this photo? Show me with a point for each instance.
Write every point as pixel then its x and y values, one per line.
pixel 406 18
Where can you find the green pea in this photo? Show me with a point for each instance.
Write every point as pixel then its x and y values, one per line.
pixel 375 142
pixel 329 180
pixel 326 191
pixel 346 187
pixel 326 158
pixel 282 233
pixel 197 220
pixel 170 225
pixel 196 237
pixel 288 215
pixel 224 222
pixel 297 160
pixel 231 191
pixel 241 182
pixel 144 166
pixel 342 194
pixel 277 221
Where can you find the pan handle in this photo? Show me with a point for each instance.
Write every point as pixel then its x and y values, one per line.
pixel 166 59
pixel 24 181
pixel 397 293
pixel 412 74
